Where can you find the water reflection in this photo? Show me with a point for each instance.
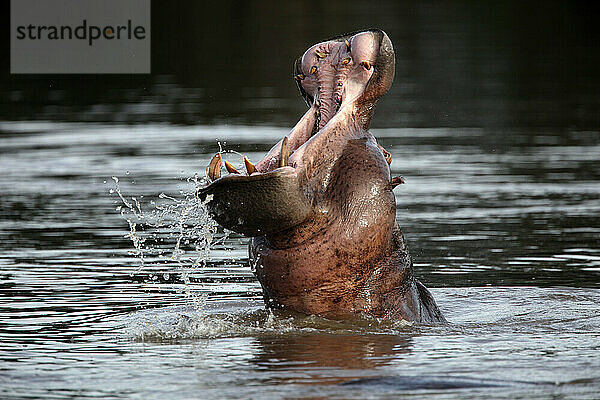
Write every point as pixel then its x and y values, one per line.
pixel 341 351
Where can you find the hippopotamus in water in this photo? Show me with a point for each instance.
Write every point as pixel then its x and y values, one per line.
pixel 319 207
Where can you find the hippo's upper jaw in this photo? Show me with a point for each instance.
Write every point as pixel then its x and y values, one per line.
pixel 319 205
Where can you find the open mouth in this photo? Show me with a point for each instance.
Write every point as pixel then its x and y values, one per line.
pixel 331 76
pixel 340 79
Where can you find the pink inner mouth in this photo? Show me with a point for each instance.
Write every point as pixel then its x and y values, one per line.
pixel 333 74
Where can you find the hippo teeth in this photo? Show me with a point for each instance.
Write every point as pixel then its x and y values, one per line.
pixel 216 165
pixel 284 154
pixel 230 168
pixel 249 166
pixel 214 168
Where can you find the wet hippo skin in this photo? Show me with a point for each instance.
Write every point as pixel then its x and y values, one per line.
pixel 319 207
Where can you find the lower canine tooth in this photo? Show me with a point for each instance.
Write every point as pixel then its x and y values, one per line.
pixel 284 154
pixel 214 168
pixel 249 166
pixel 230 168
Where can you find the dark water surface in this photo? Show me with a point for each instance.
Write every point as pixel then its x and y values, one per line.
pixel 503 224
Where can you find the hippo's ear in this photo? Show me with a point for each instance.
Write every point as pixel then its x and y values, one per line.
pixel 259 204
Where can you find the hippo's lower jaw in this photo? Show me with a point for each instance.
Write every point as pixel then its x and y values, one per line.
pixel 320 207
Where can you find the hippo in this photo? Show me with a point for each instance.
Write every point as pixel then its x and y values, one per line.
pixel 319 207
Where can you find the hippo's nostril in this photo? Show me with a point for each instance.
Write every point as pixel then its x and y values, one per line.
pixel 345 61
pixel 320 54
pixel 300 77
pixel 249 166
pixel 313 69
pixel 366 64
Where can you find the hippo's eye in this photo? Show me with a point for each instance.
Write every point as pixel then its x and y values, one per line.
pixel 299 77
pixel 313 69
pixel 345 61
pixel 320 54
pixel 366 64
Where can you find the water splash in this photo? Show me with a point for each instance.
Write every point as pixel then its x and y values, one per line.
pixel 174 232
pixel 245 319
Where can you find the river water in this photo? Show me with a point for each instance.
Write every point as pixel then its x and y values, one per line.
pixel 503 225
